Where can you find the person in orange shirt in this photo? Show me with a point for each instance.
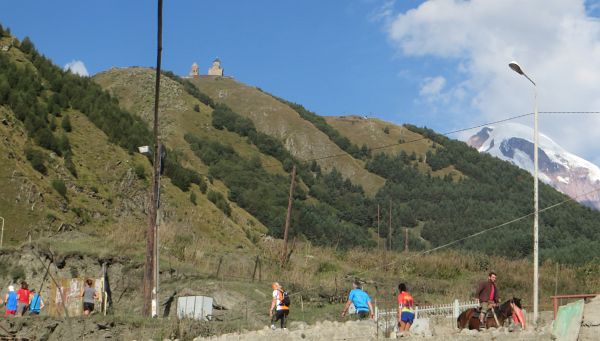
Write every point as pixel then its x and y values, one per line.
pixel 279 303
pixel 406 314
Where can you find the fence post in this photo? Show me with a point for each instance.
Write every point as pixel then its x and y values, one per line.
pixel 259 269
pixel 456 311
pixel 417 312
pixel 219 266
pixel 255 266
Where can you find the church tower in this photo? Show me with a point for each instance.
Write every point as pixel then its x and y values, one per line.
pixel 194 71
pixel 216 69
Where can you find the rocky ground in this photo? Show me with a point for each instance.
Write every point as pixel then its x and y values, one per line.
pixel 368 330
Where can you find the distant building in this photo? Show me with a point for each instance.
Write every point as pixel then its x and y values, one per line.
pixel 216 69
pixel 194 71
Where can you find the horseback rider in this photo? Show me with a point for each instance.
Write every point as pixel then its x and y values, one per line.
pixel 487 293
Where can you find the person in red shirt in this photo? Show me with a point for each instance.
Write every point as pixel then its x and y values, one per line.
pixel 22 298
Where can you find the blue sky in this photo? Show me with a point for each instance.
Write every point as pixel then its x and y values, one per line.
pixel 331 56
pixel 440 64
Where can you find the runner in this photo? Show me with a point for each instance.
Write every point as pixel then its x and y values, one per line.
pixel 11 301
pixel 35 303
pixel 406 315
pixel 22 299
pixel 89 295
pixel 361 301
pixel 280 305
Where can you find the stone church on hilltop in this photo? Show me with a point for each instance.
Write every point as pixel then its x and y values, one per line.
pixel 214 70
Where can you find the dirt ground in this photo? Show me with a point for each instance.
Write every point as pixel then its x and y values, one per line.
pixel 368 330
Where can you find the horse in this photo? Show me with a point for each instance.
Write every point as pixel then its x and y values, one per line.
pixel 467 318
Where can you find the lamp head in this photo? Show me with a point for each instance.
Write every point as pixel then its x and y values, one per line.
pixel 516 68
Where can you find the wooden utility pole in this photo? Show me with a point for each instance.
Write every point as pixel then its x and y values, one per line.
pixel 150 265
pixel 378 235
pixel 390 228
pixel 406 239
pixel 288 217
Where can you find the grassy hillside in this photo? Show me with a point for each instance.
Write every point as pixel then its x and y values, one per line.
pixel 391 139
pixel 277 119
pixel 105 182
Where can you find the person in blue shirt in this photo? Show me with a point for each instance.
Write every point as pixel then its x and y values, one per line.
pixel 11 301
pixel 361 301
pixel 35 303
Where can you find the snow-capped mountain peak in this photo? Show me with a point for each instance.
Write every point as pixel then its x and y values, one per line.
pixel 559 168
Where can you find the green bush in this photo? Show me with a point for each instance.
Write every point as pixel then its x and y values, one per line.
pixel 70 165
pixel 66 124
pixel 140 171
pixel 60 188
pixel 17 274
pixel 37 159
pixel 193 198
pixel 219 200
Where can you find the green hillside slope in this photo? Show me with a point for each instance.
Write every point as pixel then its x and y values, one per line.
pixel 228 166
pixel 440 189
pixel 70 164
pixel 277 119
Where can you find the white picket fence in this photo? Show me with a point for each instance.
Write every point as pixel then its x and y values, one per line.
pixel 450 310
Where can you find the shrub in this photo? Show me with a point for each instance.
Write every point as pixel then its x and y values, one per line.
pixel 37 159
pixel 219 200
pixel 17 273
pixel 203 186
pixel 59 186
pixel 139 171
pixel 196 108
pixel 66 124
pixel 70 165
pixel 193 197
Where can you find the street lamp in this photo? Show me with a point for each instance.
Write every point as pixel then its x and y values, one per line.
pixel 516 68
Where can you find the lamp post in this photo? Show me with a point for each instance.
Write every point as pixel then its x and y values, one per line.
pixel 516 68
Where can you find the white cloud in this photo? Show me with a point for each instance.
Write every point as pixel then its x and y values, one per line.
pixel 432 86
pixel 555 41
pixel 77 67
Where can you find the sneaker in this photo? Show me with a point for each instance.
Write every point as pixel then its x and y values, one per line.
pixel 273 326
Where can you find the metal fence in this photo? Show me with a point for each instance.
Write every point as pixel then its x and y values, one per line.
pixel 450 310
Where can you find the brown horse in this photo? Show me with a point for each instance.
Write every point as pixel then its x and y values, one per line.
pixel 467 318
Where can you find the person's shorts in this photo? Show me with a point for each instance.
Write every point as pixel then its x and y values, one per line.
pixel 10 312
pixel 407 317
pixel 363 314
pixel 21 307
pixel 88 306
pixel 34 312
